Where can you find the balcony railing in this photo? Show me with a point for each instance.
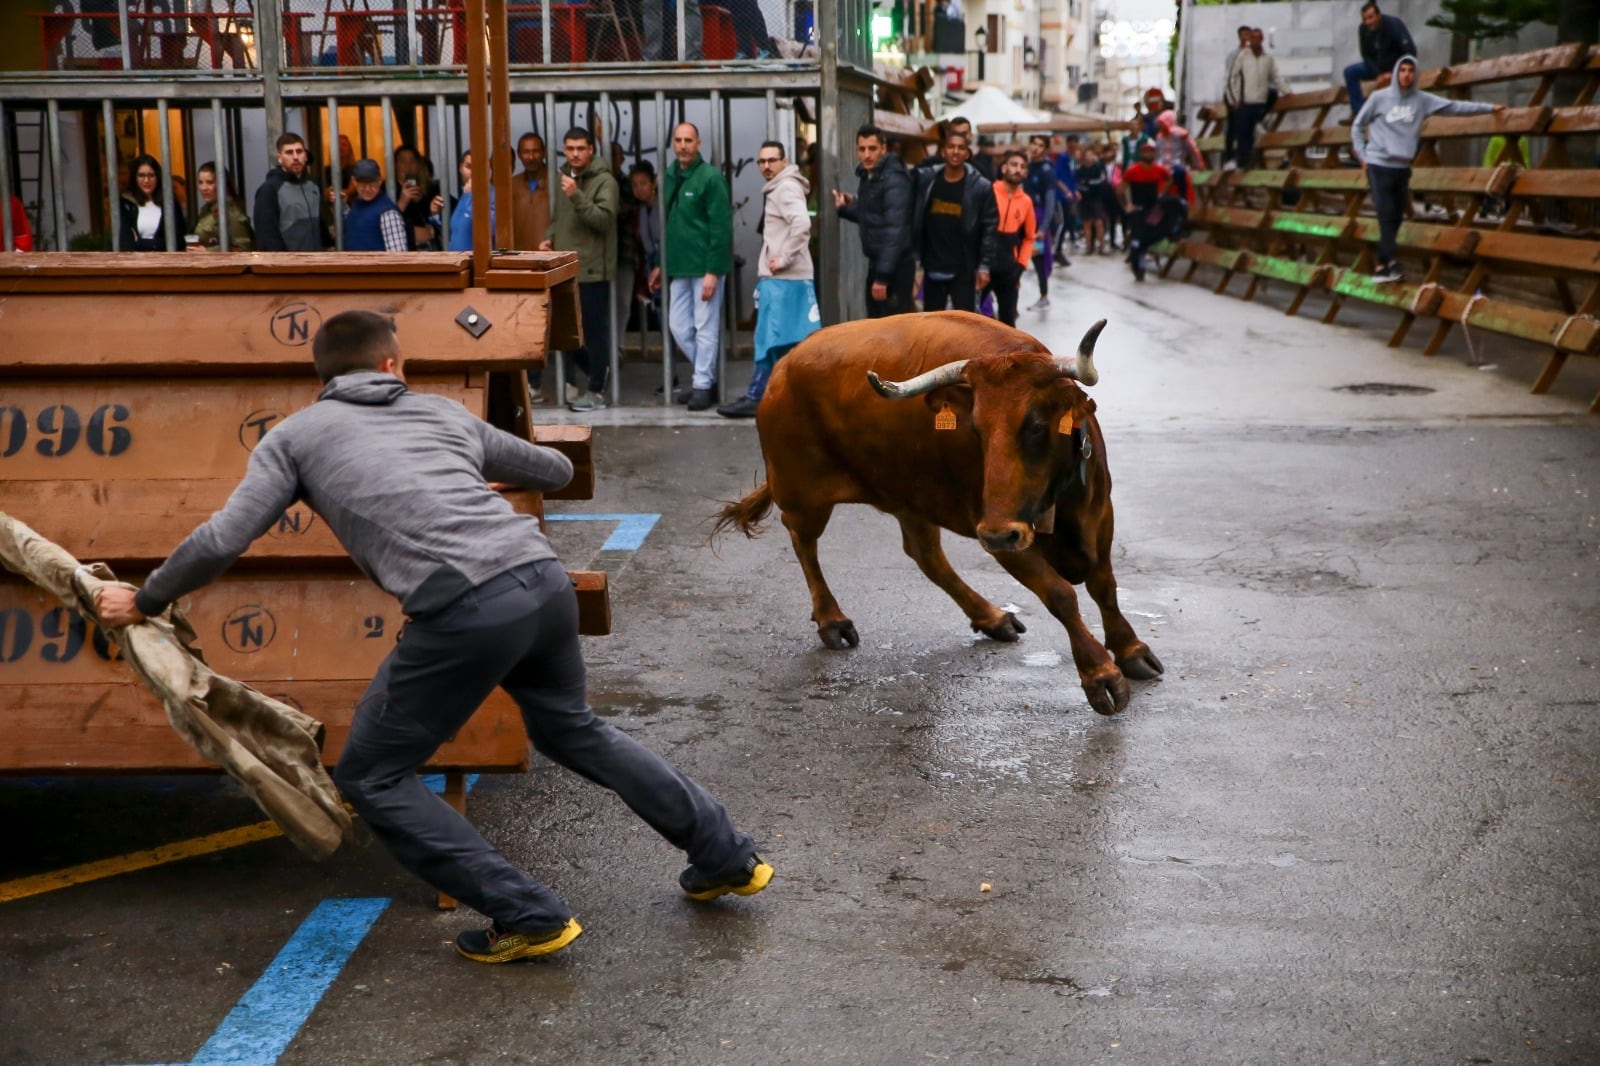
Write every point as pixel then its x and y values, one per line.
pixel 220 37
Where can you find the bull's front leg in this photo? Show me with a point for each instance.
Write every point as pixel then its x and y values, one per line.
pixel 1102 681
pixel 1134 656
pixel 833 627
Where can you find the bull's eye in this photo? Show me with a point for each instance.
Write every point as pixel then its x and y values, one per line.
pixel 1034 437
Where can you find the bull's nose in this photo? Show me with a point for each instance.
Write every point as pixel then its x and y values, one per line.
pixel 1011 537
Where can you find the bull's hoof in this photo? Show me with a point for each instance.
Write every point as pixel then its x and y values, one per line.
pixel 839 635
pixel 1108 695
pixel 1006 630
pixel 1142 665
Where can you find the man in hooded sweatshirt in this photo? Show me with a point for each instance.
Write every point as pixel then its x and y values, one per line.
pixel 1385 136
pixel 404 481
pixel 786 297
pixel 288 208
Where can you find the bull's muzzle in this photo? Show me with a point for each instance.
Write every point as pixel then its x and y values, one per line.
pixel 1008 537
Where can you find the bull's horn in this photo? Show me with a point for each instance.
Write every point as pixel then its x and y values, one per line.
pixel 949 374
pixel 1080 367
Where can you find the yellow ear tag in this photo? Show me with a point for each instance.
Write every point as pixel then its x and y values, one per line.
pixel 945 419
pixel 1065 426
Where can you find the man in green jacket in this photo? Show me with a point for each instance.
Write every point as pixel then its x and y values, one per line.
pixel 699 254
pixel 583 219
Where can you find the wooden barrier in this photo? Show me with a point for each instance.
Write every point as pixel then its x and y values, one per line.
pixel 1304 219
pixel 132 391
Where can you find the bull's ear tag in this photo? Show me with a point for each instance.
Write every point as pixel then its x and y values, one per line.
pixel 1064 427
pixel 945 419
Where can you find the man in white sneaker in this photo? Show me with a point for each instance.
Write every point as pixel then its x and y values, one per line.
pixel 1385 136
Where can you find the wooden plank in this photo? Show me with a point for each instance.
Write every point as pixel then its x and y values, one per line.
pixel 229 333
pixel 1516 120
pixel 232 271
pixel 118 725
pixel 1568 120
pixel 1309 226
pixel 1456 241
pixel 1581 183
pixel 1554 60
pixel 1227 258
pixel 576 442
pixel 1230 218
pixel 1307 101
pixel 1403 297
pixel 1341 179
pixel 1563 255
pixel 1277 268
pixel 142 428
pixel 506 273
pixel 1285 139
pixel 566 318
pixel 260 629
pixel 1261 179
pixel 1476 181
pixel 135 523
pixel 1502 316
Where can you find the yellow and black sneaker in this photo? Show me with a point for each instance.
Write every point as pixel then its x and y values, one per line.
pixel 749 879
pixel 499 944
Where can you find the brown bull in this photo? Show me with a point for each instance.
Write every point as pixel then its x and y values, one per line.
pixel 1003 447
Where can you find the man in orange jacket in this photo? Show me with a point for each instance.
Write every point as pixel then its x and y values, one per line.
pixel 1016 230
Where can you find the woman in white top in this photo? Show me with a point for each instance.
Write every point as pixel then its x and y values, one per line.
pixel 144 222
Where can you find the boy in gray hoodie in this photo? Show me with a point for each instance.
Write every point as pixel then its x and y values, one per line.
pixel 403 480
pixel 1385 136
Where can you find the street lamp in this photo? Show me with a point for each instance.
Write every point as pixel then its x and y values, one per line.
pixel 982 38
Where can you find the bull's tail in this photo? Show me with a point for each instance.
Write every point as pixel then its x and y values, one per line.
pixel 745 515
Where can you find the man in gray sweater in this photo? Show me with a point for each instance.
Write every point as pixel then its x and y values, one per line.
pixel 1385 136
pixel 402 479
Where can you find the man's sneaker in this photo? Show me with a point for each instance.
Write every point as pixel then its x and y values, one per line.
pixel 1040 304
pixel 588 401
pixel 743 407
pixel 499 944
pixel 746 881
pixel 702 399
pixel 682 395
pixel 1229 166
pixel 1388 272
pixel 536 398
pixel 573 392
pixel 1138 271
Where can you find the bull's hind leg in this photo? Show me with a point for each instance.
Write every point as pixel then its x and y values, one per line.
pixel 1102 681
pixel 1134 657
pixel 805 529
pixel 921 541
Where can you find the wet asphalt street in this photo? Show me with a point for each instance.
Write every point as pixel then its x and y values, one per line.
pixel 1356 822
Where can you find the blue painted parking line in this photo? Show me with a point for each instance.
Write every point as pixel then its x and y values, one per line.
pixel 627 537
pixel 267 1017
pixel 435 782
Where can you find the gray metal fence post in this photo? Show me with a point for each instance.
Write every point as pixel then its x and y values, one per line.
pixel 663 139
pixel 219 157
pixel 58 199
pixel 108 115
pixel 335 175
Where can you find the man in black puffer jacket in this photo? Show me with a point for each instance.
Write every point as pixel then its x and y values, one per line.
pixel 881 207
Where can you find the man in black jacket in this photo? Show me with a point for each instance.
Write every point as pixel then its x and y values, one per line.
pixel 1384 41
pixel 881 208
pixel 288 208
pixel 954 230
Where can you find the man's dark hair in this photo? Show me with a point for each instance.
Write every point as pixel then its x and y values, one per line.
pixel 964 138
pixel 578 133
pixel 959 120
pixel 869 130
pixel 352 341
pixel 1013 153
pixel 286 139
pixel 778 145
pixel 1373 4
pixel 1039 138
pixel 645 167
pixel 530 136
pixel 1244 29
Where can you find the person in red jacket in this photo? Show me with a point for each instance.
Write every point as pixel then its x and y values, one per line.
pixel 21 235
pixel 1154 204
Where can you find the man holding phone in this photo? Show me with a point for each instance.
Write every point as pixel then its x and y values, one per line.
pixel 583 219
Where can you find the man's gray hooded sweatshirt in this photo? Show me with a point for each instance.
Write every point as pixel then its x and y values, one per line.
pixel 402 480
pixel 1388 131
